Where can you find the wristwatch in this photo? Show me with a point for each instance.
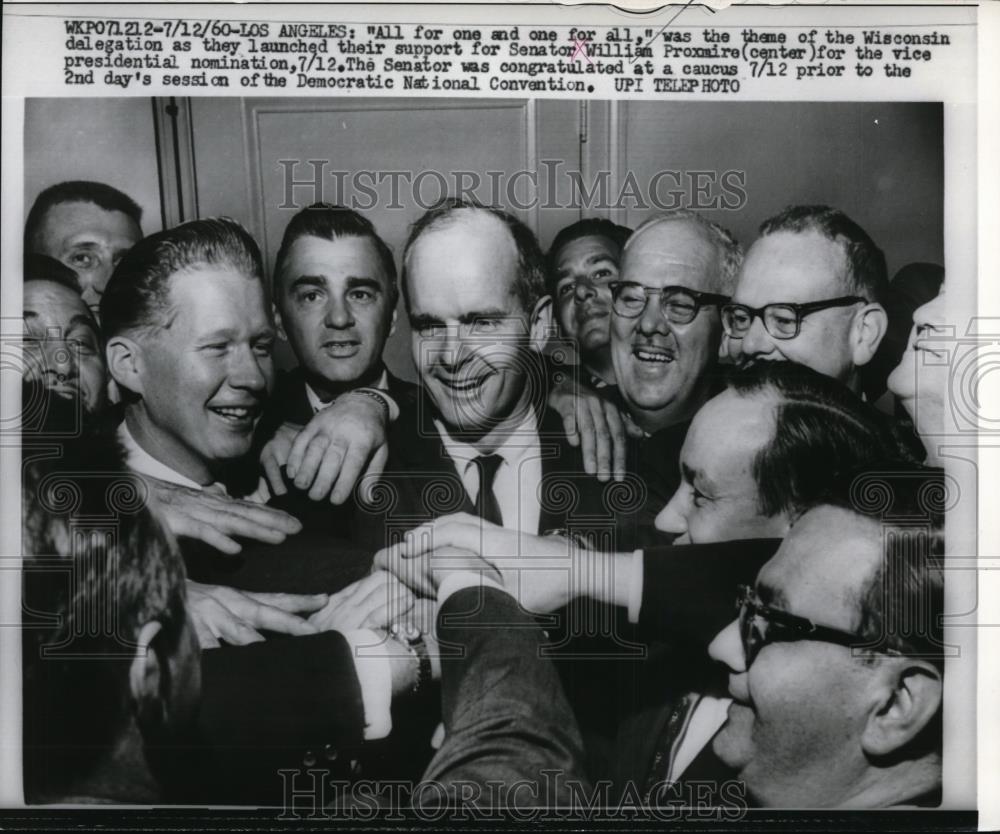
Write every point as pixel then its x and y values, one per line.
pixel 382 398
pixel 411 637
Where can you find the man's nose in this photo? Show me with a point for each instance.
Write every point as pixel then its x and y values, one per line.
pixel 250 372
pixel 652 319
pixel 338 314
pixel 91 291
pixel 584 290
pixel 450 348
pixel 59 358
pixel 757 341
pixel 673 518
pixel 728 648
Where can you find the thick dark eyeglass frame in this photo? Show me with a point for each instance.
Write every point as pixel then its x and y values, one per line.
pixel 698 299
pixel 783 627
pixel 800 311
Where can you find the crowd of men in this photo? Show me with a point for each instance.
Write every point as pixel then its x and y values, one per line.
pixel 515 566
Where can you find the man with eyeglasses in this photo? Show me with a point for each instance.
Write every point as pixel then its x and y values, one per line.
pixel 836 657
pixel 810 291
pixel 677 270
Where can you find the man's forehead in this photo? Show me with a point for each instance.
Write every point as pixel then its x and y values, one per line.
pixel 54 300
pixel 792 267
pixel 827 556
pixel 207 292
pixel 320 256
pixel 467 264
pixel 728 432
pixel 64 220
pixel 588 246
pixel 677 252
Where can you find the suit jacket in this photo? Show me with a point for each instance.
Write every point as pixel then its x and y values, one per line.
pixel 505 714
pixel 285 703
pixel 687 599
pixel 420 483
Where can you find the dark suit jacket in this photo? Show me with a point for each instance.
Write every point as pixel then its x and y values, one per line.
pixel 420 483
pixel 505 714
pixel 283 703
pixel 687 599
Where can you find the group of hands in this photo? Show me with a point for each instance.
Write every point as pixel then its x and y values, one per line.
pixel 345 446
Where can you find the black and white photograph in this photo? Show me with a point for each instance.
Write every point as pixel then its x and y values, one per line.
pixel 395 454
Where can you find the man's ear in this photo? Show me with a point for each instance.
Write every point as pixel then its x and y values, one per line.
pixel 541 323
pixel 910 697
pixel 278 324
pixel 125 363
pixel 870 326
pixel 395 315
pixel 145 678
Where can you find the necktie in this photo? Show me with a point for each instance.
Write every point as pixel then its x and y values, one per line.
pixel 669 742
pixel 487 507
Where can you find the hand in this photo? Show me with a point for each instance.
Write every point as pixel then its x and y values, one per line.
pixel 373 602
pixel 542 572
pixel 275 454
pixel 222 614
pixel 215 518
pixel 595 424
pixel 340 443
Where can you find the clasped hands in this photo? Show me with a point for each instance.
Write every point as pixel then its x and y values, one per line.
pixel 542 572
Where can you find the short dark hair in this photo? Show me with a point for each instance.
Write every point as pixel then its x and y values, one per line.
pixel 529 285
pixel 821 429
pixel 136 296
pixel 867 274
pixel 902 603
pixel 588 227
pixel 77 191
pixel 99 562
pixel 329 222
pixel 39 267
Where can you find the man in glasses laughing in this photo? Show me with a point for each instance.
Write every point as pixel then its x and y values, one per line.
pixel 810 291
pixel 836 657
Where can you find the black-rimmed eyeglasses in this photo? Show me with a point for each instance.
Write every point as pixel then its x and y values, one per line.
pixel 679 305
pixel 782 321
pixel 760 624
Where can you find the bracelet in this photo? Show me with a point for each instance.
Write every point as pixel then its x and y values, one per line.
pixel 411 637
pixel 381 397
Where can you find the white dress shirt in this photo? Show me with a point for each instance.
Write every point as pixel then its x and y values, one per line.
pixel 369 651
pixel 517 479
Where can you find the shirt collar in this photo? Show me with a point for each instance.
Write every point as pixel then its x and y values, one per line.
pixel 139 460
pixel 519 440
pixel 318 405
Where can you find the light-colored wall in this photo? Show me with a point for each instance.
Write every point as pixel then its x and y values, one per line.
pixel 101 139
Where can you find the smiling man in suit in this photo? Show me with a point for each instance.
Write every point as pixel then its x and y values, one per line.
pixel 479 437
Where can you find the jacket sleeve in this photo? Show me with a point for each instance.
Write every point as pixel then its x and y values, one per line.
pixel 276 704
pixel 506 717
pixel 688 590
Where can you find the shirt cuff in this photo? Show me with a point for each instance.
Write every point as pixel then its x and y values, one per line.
pixel 370 653
pixel 635 587
pixel 390 403
pixel 460 580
